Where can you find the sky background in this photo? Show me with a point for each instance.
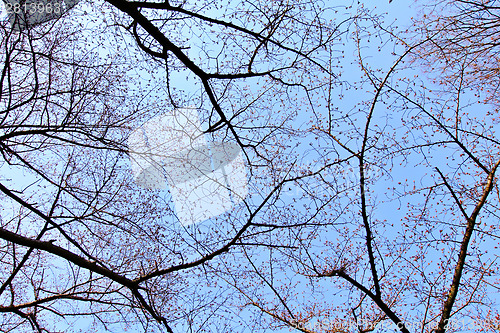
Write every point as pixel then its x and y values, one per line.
pixel 399 11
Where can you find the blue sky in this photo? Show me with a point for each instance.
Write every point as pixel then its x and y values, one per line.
pixel 399 12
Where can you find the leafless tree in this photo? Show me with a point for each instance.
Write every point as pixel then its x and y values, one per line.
pixel 372 196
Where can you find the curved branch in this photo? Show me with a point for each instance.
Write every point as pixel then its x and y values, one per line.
pixel 471 223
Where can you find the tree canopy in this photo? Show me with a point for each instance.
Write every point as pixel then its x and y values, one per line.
pixel 365 148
